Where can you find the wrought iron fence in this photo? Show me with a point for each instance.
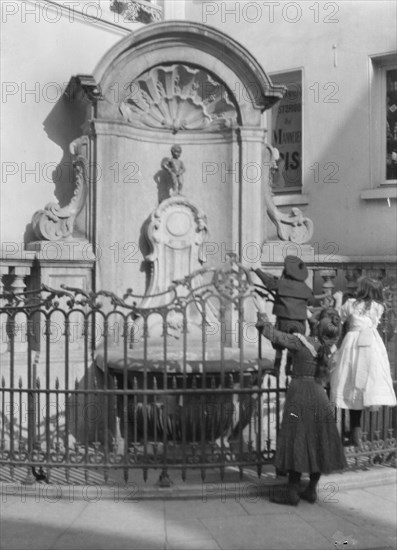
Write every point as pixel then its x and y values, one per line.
pixel 178 381
pixel 92 381
pixel 378 444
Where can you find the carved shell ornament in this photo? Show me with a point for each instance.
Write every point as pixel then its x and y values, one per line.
pixel 178 97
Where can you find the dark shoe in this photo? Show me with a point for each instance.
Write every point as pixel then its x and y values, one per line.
pixel 286 496
pixel 309 494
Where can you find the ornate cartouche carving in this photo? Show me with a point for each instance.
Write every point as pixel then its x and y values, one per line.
pixel 294 226
pixel 54 223
pixel 176 234
pixel 176 225
pixel 178 97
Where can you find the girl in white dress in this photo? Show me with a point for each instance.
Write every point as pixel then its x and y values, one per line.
pixel 360 376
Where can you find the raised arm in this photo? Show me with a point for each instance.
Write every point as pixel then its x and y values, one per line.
pixel 311 300
pixel 270 281
pixel 275 336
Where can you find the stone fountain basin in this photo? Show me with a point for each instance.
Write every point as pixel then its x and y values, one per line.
pixel 224 414
pixel 194 360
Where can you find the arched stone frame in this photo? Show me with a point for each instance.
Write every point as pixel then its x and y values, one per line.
pixel 193 45
pixel 198 44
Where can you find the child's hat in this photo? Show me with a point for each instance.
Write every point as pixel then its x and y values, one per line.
pixel 295 268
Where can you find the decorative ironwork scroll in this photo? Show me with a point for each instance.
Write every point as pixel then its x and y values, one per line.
pixel 150 406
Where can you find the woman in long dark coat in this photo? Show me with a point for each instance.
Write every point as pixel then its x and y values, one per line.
pixel 308 440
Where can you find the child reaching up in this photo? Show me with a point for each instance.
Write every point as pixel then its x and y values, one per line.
pixel 308 440
pixel 360 377
pixel 292 296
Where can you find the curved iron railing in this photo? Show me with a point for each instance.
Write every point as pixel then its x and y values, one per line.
pixel 94 382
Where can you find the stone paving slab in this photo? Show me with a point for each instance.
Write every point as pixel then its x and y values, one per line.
pixel 387 493
pixel 195 524
pixel 202 509
pixel 193 545
pixel 357 536
pixel 227 518
pixel 369 512
pixel 281 531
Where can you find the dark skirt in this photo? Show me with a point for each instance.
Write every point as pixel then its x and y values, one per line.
pixel 309 440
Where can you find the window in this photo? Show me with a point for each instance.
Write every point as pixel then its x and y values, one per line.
pixel 286 133
pixel 391 126
pixel 383 112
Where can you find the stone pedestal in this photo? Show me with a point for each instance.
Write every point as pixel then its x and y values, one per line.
pixel 68 262
pixel 67 250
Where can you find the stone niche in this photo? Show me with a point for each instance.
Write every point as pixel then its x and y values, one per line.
pixel 168 83
pixel 186 84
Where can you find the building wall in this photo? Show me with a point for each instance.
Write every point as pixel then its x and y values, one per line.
pixel 41 50
pixel 302 35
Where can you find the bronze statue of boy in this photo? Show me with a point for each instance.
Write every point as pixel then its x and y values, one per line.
pixel 175 168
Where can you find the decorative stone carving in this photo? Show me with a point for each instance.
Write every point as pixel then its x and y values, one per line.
pixel 328 276
pixel 176 233
pixel 139 11
pixel 294 227
pixel 54 223
pixel 178 97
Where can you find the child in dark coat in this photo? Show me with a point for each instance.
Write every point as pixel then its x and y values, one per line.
pixel 308 440
pixel 292 296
